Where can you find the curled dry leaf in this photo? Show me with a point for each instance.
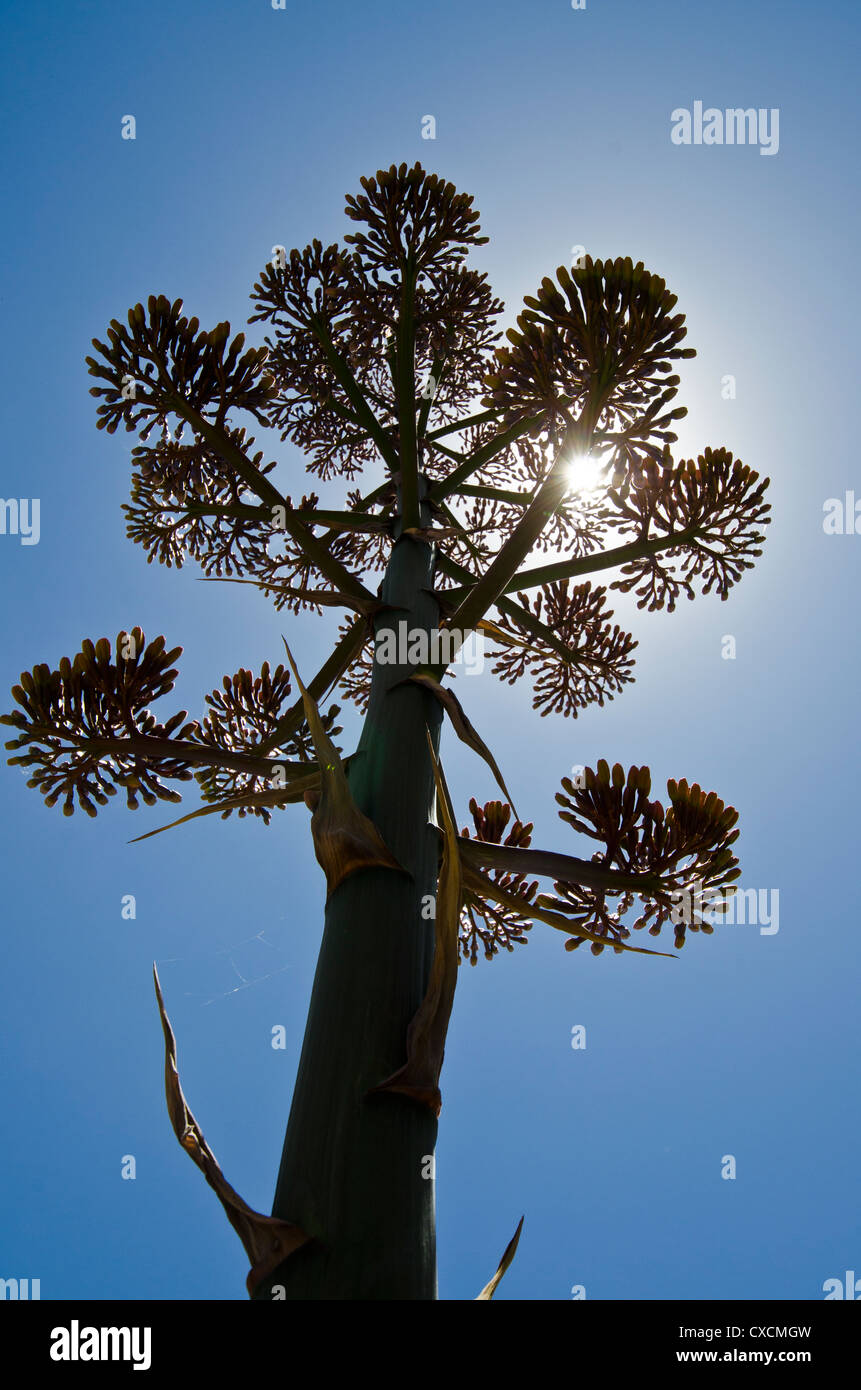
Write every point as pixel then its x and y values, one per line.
pixel 267 1240
pixel 345 840
pixel 464 729
pixel 419 1077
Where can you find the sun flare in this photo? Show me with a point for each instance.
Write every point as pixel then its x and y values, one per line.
pixel 585 474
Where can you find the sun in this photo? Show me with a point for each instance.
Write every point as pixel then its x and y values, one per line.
pixel 585 474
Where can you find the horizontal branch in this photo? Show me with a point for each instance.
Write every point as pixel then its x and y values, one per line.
pixel 177 751
pixel 495 494
pixel 312 548
pixel 335 520
pixel 564 868
pixel 478 883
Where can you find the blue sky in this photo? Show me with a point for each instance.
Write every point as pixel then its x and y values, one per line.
pixel 252 124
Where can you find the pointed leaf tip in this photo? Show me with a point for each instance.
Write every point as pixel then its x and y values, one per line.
pixel 510 1251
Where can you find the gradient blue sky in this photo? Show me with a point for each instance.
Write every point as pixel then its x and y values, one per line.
pixel 252 124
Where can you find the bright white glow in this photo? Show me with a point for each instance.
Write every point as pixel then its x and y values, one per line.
pixel 584 474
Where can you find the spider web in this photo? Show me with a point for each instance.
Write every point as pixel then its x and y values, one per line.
pixel 229 953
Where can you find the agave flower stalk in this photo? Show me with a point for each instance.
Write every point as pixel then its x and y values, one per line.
pixel 383 352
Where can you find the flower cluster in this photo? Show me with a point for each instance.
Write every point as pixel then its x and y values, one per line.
pixel 587 660
pixel 335 315
pixel 494 926
pixel 685 846
pixel 600 342
pixel 412 217
pixel 715 506
pixel 242 716
pixel 161 360
pixel 70 718
pixel 186 501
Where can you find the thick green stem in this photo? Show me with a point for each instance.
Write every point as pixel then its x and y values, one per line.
pixel 405 385
pixel 353 1168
